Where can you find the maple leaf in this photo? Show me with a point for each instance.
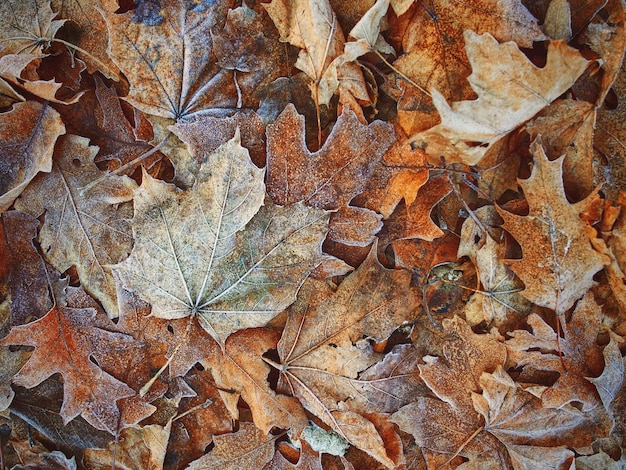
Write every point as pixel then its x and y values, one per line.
pixel 246 448
pixel 558 262
pixel 93 36
pixel 321 355
pixel 434 54
pixel 27 27
pixel 509 93
pixel 312 26
pixel 167 57
pixel 135 448
pixel 89 232
pixel 28 133
pixel 483 416
pixel 577 351
pixel 500 299
pixel 65 340
pixel 230 277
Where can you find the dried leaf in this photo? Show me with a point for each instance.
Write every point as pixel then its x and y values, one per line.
pixel 230 277
pixel 65 340
pixel 508 95
pixel 28 133
pixel 330 177
pixel 577 351
pixel 89 231
pixel 312 26
pixel 435 56
pixel 558 261
pixel 135 448
pixel 321 355
pixel 30 281
pixel 27 27
pixel 241 370
pixel 246 448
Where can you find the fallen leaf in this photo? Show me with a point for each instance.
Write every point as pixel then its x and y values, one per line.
pixel 241 371
pixel 32 284
pixel 508 95
pixel 312 26
pixel 246 448
pixel 434 55
pixel 498 303
pixel 240 266
pixel 135 448
pixel 558 262
pixel 93 36
pixel 89 231
pixel 28 27
pixel 65 340
pixel 26 149
pixel 577 352
pixel 321 355
pixel 332 176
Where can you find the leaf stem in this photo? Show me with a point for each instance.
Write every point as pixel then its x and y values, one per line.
pixel 403 76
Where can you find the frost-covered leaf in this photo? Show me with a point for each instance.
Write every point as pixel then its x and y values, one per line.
pixel 89 231
pixel 215 251
pixel 559 261
pixel 510 90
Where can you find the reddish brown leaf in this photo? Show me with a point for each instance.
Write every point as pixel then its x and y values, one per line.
pixel 65 340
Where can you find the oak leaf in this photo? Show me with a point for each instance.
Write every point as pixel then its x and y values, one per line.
pixel 509 93
pixel 28 133
pixel 214 251
pixel 559 261
pixel 88 231
pixel 434 54
pixel 65 341
pixel 577 351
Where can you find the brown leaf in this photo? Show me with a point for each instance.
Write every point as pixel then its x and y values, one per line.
pixel 558 261
pixel 28 133
pixel 508 95
pixel 321 355
pixel 577 351
pixel 240 370
pixel 312 26
pixel 27 27
pixel 246 448
pixel 240 265
pixel 434 49
pixel 93 36
pixel 65 340
pixel 135 448
pixel 89 231
pixel 30 280
pixel 330 177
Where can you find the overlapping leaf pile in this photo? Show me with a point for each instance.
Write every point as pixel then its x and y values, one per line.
pixel 312 234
